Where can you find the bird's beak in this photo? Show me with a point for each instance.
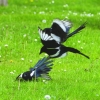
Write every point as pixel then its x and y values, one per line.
pixel 19 77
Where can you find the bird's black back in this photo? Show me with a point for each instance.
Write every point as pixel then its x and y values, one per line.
pixel 50 44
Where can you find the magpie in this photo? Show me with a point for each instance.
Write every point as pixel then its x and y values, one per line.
pixel 58 33
pixel 52 38
pixel 61 51
pixel 41 69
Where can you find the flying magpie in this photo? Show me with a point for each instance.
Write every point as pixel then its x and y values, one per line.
pixel 41 69
pixel 60 51
pixel 58 33
pixel 52 38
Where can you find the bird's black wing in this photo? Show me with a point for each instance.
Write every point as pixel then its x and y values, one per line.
pixel 60 29
pixel 39 63
pixel 46 38
pixel 43 67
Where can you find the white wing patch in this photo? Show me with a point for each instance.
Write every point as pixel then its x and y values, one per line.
pixel 51 38
pixel 67 24
pixel 44 36
pixel 48 38
pixel 32 73
pixel 56 54
pixel 63 24
pixel 63 55
pixel 56 38
pixel 60 23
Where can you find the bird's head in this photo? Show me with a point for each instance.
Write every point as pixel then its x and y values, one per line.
pixel 27 76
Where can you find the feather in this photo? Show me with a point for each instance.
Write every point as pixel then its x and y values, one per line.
pixel 42 67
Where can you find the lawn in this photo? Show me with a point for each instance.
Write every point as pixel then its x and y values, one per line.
pixel 74 77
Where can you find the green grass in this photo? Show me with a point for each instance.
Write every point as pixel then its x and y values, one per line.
pixel 73 77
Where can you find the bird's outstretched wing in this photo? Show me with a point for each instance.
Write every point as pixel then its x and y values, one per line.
pixel 39 63
pixel 41 69
pixel 60 29
pixel 46 38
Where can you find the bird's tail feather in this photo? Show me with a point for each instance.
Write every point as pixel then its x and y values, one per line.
pixel 84 55
pixel 77 30
pixel 76 51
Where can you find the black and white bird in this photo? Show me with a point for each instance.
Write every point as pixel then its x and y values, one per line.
pixel 60 51
pixel 41 69
pixel 58 33
pixel 52 39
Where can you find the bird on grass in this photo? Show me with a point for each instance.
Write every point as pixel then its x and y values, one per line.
pixel 58 33
pixel 61 51
pixel 41 69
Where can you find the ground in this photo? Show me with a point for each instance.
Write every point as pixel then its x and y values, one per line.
pixel 73 77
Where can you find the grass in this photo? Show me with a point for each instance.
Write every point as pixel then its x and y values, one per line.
pixel 73 77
